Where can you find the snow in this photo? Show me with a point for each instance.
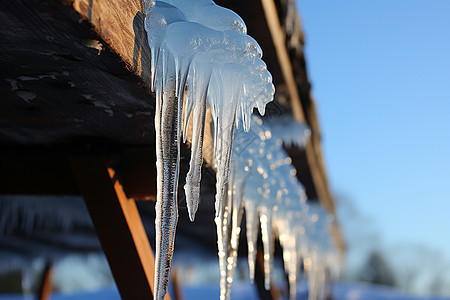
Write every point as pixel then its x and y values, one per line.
pixel 245 291
pixel 110 293
pixel 200 56
pixel 360 291
pixel 30 231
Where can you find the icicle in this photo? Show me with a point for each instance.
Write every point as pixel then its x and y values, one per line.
pixel 275 196
pixel 27 281
pixel 283 222
pixel 265 171
pixel 312 275
pixel 167 125
pixel 267 239
pixel 252 235
pixel 319 253
pixel 237 189
pixel 271 194
pixel 197 81
pixel 225 113
pixel 290 131
pixel 223 243
pixel 201 49
pixel 228 231
pixel 148 5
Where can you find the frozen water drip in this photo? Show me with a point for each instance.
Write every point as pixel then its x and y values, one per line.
pixel 200 56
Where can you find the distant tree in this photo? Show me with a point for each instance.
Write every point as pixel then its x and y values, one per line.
pixel 420 269
pixel 360 235
pixel 437 285
pixel 377 270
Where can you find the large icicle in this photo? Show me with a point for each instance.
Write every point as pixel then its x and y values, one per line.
pixel 200 49
pixel 168 118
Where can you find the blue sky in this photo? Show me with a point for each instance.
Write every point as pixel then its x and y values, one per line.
pixel 380 72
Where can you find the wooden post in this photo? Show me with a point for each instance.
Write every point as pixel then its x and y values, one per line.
pixel 119 227
pixel 45 290
pixel 274 293
pixel 176 286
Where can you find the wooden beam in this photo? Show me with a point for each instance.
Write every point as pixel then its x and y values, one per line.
pixel 278 37
pixel 312 150
pixel 39 171
pixel 176 286
pixel 137 170
pixel 319 178
pixel 45 290
pixel 36 173
pixel 274 293
pixel 119 227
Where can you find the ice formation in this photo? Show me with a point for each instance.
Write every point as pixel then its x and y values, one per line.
pixel 200 55
pixel 263 182
pixel 321 259
pixel 262 179
pixel 289 131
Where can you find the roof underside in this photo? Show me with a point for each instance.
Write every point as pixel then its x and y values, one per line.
pixel 65 92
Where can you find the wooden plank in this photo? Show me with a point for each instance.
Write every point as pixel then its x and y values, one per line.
pixel 119 227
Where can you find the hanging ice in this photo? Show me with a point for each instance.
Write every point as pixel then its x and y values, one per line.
pixel 200 55
pixel 309 241
pixel 262 178
pixel 264 183
pixel 289 131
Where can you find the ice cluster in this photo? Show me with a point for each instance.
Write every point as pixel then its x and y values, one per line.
pixel 200 56
pixel 263 183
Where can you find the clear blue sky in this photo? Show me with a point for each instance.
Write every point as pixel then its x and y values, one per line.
pixel 380 71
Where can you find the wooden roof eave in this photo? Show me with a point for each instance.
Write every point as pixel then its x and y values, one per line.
pixel 125 34
pixel 313 149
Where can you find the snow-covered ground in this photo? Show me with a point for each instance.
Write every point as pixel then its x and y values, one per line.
pixel 357 291
pixel 244 291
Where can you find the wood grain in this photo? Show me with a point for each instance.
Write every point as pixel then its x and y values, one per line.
pixel 57 90
pixel 119 227
pixel 121 25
